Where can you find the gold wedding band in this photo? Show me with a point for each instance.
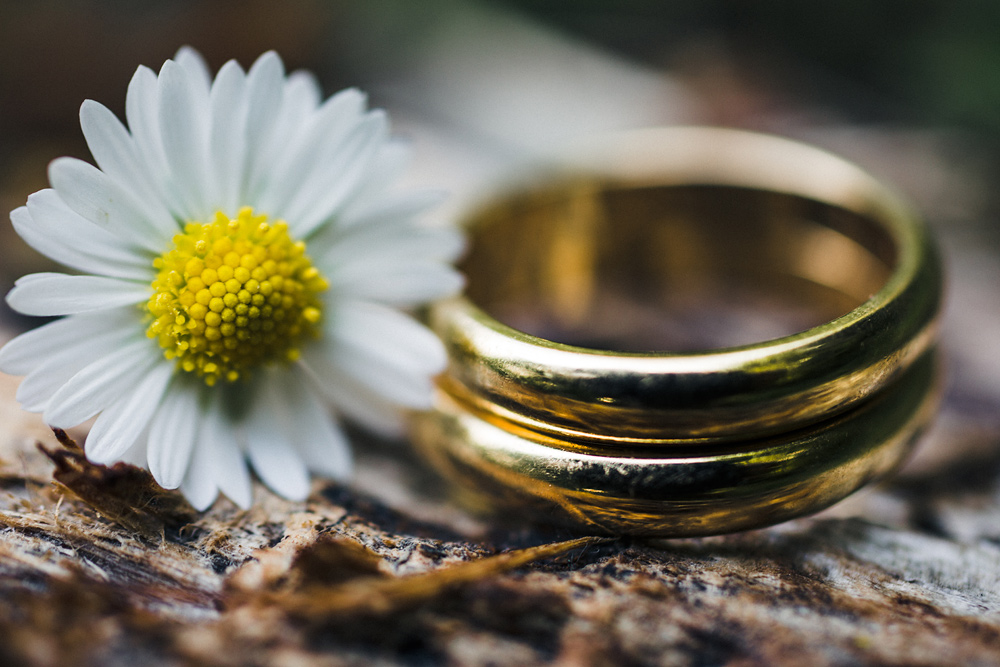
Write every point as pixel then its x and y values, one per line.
pixel 686 331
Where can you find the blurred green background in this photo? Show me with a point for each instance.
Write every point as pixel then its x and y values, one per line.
pixel 928 61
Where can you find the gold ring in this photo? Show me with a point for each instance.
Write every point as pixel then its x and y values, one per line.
pixel 687 331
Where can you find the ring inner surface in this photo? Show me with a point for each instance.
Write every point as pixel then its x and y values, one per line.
pixel 678 268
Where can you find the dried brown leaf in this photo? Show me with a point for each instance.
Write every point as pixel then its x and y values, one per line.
pixel 123 493
pixel 366 592
pixel 332 561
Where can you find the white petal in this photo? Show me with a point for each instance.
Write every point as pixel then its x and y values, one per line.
pixel 26 352
pixel 136 454
pixel 353 400
pixel 195 67
pixel 141 111
pixel 101 383
pixel 226 464
pixel 120 424
pixel 388 166
pixel 384 336
pixel 172 434
pixel 396 283
pixel 299 99
pixel 101 200
pixel 392 207
pixel 324 134
pixel 56 368
pixel 227 146
pixel 199 486
pixel 59 294
pixel 184 123
pixel 335 180
pixel 406 389
pixel 386 211
pixel 117 155
pixel 317 437
pixel 264 101
pixel 400 240
pixel 302 94
pixel 55 218
pixel 217 464
pixel 141 103
pixel 398 366
pixel 37 389
pixel 63 248
pixel 269 443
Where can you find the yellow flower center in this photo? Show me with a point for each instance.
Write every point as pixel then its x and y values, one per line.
pixel 234 294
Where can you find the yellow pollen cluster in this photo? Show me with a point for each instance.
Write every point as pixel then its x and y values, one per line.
pixel 233 294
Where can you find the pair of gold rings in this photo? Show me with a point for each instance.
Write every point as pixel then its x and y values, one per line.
pixel 686 331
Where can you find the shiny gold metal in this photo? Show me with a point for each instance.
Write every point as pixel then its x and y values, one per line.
pixel 686 331
pixel 662 227
pixel 704 489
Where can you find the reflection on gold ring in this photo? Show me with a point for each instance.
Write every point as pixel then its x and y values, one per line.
pixel 686 299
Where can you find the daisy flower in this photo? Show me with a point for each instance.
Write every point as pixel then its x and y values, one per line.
pixel 242 267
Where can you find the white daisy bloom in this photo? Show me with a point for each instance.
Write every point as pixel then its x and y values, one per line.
pixel 243 266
